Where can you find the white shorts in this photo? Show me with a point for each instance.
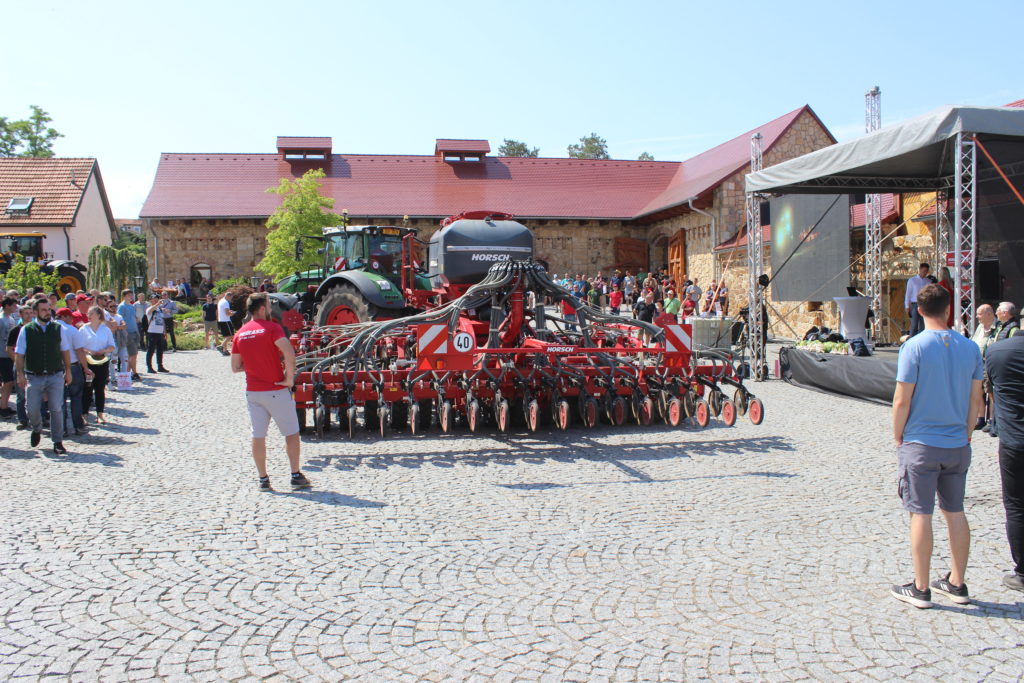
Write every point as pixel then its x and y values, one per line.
pixel 279 405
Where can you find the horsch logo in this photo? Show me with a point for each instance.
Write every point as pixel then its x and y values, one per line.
pixel 489 257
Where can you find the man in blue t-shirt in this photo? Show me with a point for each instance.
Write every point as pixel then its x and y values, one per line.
pixel 934 410
pixel 126 309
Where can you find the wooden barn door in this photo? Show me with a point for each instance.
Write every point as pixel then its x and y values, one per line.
pixel 677 256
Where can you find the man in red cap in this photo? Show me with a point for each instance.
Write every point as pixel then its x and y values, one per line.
pixel 82 303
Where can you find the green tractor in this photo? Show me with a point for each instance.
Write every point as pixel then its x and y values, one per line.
pixel 30 245
pixel 360 278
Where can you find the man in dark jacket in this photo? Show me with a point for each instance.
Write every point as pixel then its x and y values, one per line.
pixel 1008 325
pixel 1004 363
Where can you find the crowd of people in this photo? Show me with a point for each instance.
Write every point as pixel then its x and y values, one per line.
pixel 645 295
pixel 59 355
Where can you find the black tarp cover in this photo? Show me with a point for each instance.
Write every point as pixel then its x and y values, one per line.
pixel 867 379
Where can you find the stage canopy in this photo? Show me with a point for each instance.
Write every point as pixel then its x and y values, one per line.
pixel 912 156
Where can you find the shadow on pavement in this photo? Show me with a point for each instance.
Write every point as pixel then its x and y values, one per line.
pixel 331 498
pixel 17 454
pixel 105 459
pixel 534 450
pixel 993 610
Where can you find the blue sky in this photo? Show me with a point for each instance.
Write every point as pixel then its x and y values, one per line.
pixel 125 81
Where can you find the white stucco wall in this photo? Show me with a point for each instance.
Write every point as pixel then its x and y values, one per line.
pixel 91 226
pixel 53 240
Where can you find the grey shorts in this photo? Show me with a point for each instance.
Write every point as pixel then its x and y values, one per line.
pixel 925 471
pixel 210 326
pixel 131 343
pixel 264 405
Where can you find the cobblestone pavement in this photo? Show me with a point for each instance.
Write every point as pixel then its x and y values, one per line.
pixel 752 553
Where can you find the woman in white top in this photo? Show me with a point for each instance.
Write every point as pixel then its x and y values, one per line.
pixel 96 340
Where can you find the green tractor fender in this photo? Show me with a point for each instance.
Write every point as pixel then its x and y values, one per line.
pixel 376 289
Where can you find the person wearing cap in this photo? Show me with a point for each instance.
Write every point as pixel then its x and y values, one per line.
pixel 81 314
pixel 43 363
pixel 155 343
pixel 73 393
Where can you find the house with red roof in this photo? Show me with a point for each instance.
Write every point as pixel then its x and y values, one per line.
pixel 206 212
pixel 64 199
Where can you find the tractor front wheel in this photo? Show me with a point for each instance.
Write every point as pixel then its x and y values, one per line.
pixel 344 306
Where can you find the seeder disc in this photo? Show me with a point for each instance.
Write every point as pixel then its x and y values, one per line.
pixel 715 402
pixel 351 420
pixel 533 415
pixel 728 413
pixel 444 416
pixel 646 411
pixel 473 415
pixel 703 413
pixel 321 420
pixel 414 418
pixel 674 412
pixel 756 411
pixel 618 410
pixel 383 417
pixel 740 398
pixel 589 412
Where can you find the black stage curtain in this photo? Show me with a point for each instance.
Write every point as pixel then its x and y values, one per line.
pixel 867 379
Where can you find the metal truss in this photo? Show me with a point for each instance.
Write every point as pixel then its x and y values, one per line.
pixel 941 227
pixel 845 183
pixel 873 222
pixel 755 266
pixel 964 233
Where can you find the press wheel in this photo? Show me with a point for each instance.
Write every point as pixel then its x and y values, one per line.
pixel 473 415
pixel 589 412
pixel 501 415
pixel 618 411
pixel 532 415
pixel 728 413
pixel 321 420
pixel 702 412
pixel 414 418
pixel 645 412
pixel 755 410
pixel 674 412
pixel 562 414
pixel 445 417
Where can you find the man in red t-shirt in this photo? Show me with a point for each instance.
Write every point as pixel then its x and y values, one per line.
pixel 258 349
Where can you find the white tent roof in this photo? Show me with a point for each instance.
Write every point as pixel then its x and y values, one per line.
pixel 914 155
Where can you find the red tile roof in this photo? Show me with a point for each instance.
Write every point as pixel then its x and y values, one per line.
pixel 890 211
pixel 707 170
pixel 56 186
pixel 451 145
pixel 233 185
pixel 1018 103
pixel 303 143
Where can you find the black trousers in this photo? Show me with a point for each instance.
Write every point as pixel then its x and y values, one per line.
pixel 169 326
pixel 96 392
pixel 916 320
pixel 154 344
pixel 1011 467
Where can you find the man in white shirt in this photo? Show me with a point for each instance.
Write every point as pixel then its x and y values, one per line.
pixel 914 286
pixel 224 314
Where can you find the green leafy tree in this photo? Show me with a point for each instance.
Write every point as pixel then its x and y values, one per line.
pixel 303 212
pixel 115 269
pixel 515 148
pixel 24 275
pixel 644 156
pixel 590 146
pixel 31 137
pixel 126 239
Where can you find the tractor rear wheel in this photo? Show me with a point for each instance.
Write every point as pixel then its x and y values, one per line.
pixel 71 280
pixel 344 306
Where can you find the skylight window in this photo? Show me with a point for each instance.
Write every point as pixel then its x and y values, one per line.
pixel 19 206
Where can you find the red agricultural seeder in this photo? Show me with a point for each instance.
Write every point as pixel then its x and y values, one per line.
pixel 486 357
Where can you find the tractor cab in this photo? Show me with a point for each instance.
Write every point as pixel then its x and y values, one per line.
pixel 27 244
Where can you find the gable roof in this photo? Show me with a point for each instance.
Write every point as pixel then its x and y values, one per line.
pixel 704 172
pixel 234 185
pixel 56 185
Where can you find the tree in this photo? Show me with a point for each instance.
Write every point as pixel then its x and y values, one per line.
pixel 304 212
pixel 23 276
pixel 114 269
pixel 126 239
pixel 644 156
pixel 591 147
pixel 515 148
pixel 30 137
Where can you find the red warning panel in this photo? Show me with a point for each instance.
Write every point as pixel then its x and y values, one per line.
pixel 435 350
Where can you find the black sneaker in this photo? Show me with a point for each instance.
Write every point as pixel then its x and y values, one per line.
pixel 35 438
pixel 163 370
pixel 957 594
pixel 909 594
pixel 264 485
pixel 135 377
pixel 1014 581
pixel 299 481
pixel 59 449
